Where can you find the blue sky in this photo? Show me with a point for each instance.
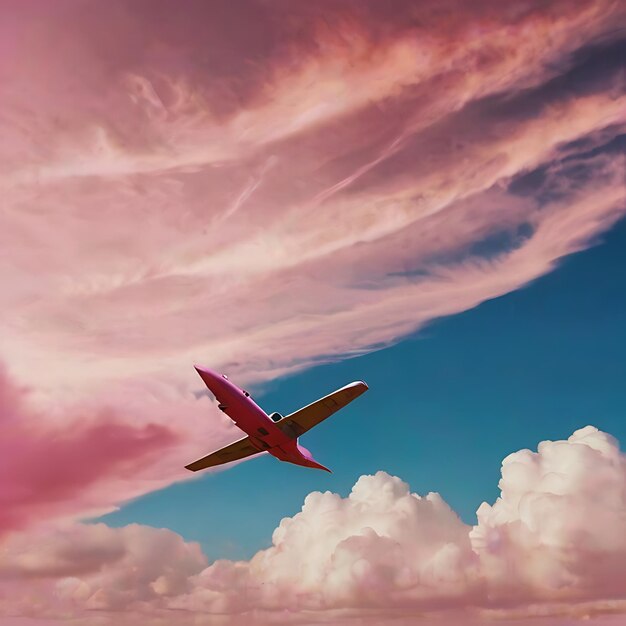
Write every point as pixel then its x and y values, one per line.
pixel 445 406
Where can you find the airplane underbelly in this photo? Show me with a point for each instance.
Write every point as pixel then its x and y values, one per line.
pixel 282 453
pixel 262 431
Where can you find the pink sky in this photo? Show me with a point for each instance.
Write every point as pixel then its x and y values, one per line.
pixel 260 185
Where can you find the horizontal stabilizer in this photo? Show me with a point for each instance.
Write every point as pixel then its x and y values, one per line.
pixel 233 452
pixel 305 418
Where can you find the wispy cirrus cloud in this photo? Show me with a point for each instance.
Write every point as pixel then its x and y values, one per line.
pixel 390 131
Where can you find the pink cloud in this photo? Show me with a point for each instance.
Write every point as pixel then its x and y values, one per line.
pixel 552 545
pixel 45 468
pixel 392 158
pixel 94 457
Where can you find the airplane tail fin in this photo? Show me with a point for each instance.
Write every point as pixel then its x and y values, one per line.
pixel 293 452
pixel 310 461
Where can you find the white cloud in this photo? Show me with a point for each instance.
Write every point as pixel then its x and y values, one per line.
pixel 553 543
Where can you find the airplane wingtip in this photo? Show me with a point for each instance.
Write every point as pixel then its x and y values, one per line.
pixel 357 383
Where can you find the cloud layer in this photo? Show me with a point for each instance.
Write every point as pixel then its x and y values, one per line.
pixel 249 204
pixel 553 544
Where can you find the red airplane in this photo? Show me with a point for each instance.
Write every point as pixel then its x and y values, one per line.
pixel 273 433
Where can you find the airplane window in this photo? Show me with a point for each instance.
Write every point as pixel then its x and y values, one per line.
pixel 245 393
pixel 263 431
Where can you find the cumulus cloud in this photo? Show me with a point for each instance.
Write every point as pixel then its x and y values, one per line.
pixel 81 568
pixel 558 529
pixel 555 534
pixel 553 544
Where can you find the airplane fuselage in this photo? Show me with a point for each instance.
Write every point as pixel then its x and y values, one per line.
pixel 264 433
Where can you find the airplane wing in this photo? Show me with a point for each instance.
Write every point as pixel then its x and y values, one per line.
pixel 238 450
pixel 304 419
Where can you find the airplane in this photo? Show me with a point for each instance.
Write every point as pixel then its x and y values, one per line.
pixel 271 433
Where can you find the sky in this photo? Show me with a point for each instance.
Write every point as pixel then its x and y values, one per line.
pixel 428 196
pixel 553 354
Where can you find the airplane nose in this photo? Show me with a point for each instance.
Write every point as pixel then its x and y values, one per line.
pixel 212 379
